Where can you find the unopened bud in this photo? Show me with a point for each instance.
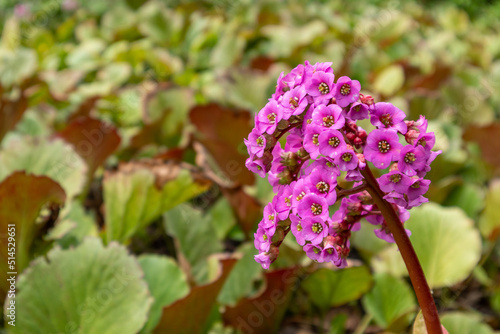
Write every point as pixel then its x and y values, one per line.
pixel 394 167
pixel 273 253
pixel 367 99
pixel 411 136
pixel 278 236
pixel 285 177
pixel 357 142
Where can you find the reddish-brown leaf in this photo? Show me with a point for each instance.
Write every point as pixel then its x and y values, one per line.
pixel 93 140
pixel 221 130
pixel 21 198
pixel 248 210
pixel 264 313
pixel 188 315
pixel 261 63
pixel 488 139
pixel 11 112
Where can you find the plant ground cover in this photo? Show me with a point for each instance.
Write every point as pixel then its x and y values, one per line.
pixel 122 164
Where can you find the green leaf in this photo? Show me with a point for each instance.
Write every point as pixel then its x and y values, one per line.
pixel 446 242
pixel 467 196
pixel 327 288
pixel 390 80
pixel 196 236
pixel 159 23
pixel 239 284
pixel 489 223
pixel 16 66
pixel 52 158
pixel 464 323
pixel 167 283
pixel 133 199
pixel 223 218
pixel 88 289
pixel 73 227
pixel 390 299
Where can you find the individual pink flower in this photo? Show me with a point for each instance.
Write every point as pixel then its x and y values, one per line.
pixel 387 116
pixel 321 85
pixel 331 143
pixel 329 117
pixel 382 147
pixel 312 205
pixel 347 159
pixel 294 102
pixel 297 229
pixel 311 140
pixel 358 111
pixel 269 117
pixel 411 160
pixel 346 91
pixel 313 252
pixel 256 143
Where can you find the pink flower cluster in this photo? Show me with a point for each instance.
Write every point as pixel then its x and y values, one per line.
pixel 318 117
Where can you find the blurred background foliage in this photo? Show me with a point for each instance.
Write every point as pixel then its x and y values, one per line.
pixel 122 164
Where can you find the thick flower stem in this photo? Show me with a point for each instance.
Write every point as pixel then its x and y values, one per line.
pixel 422 290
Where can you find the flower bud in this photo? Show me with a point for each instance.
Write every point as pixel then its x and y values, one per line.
pixel 412 135
pixel 273 253
pixel 366 99
pixel 278 236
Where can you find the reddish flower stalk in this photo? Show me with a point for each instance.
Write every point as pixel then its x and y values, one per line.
pixel 417 277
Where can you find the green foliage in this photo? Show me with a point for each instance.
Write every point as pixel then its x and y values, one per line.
pixel 134 201
pixel 329 288
pixel 90 288
pixel 124 121
pixel 464 323
pixel 197 238
pixel 446 242
pixel 391 302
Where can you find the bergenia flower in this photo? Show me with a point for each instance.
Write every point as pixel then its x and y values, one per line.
pixel 358 111
pixel 315 229
pixel 346 91
pixel 294 102
pixel 317 119
pixel 395 181
pixel 387 116
pixel 269 117
pixel 256 143
pixel 328 117
pixel 311 140
pixel 311 206
pixel 321 85
pixel 382 147
pixel 314 252
pixel 331 143
pixel 412 159
pixel 347 159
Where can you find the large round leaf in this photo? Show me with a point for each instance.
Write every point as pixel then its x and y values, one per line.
pixel 446 242
pixel 464 323
pixel 86 290
pixel 53 158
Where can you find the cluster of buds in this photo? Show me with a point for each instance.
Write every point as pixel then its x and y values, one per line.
pixel 318 117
